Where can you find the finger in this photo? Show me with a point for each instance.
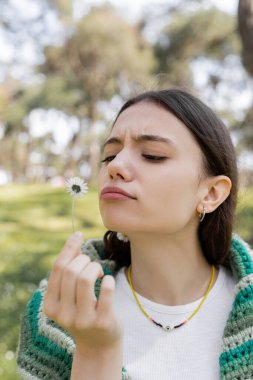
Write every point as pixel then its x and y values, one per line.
pixel 105 302
pixel 70 250
pixel 69 280
pixel 85 296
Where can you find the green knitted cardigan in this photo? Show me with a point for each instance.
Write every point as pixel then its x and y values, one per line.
pixel 45 350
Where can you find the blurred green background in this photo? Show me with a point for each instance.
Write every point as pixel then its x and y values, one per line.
pixel 66 67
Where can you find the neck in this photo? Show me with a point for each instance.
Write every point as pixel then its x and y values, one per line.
pixel 170 271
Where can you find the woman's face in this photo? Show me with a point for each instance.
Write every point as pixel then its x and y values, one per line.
pixel 151 155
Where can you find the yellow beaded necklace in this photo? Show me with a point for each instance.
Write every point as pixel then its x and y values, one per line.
pixel 170 328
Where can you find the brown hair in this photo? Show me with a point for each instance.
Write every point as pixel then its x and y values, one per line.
pixel 215 232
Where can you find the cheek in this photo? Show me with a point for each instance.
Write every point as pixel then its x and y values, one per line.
pixel 175 194
pixel 174 182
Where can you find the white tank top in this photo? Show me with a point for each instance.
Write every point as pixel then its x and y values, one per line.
pixel 189 352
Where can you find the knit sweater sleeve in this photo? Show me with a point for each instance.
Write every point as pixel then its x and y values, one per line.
pixel 45 350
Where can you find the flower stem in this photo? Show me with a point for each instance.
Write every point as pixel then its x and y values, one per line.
pixel 72 214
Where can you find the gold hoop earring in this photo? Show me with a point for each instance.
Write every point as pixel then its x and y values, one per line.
pixel 201 216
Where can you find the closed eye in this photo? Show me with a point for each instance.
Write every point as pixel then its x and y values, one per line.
pixel 146 156
pixel 107 159
pixel 154 158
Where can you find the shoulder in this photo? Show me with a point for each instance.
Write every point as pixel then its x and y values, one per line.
pixel 239 258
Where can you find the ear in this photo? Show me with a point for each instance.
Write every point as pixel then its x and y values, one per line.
pixel 217 189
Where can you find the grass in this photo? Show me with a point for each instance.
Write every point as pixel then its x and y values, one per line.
pixel 35 221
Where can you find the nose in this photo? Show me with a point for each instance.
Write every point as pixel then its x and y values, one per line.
pixel 120 167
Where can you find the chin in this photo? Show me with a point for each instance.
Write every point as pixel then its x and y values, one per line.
pixel 115 224
pixel 116 218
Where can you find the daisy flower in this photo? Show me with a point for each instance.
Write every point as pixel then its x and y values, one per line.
pixel 77 188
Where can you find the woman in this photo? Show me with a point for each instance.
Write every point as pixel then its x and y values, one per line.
pixel 173 286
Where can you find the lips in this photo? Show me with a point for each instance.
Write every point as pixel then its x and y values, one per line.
pixel 112 191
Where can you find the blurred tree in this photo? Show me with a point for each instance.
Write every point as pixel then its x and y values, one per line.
pixel 26 158
pixel 12 151
pixel 245 23
pixel 245 26
pixel 182 41
pixel 182 44
pixel 23 32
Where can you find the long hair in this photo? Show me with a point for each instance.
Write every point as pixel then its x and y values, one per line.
pixel 212 136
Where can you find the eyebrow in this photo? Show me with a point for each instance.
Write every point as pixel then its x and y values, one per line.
pixel 140 138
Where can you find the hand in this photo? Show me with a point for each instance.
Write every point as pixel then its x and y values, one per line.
pixel 70 300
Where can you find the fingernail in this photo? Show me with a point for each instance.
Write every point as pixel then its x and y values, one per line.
pixel 78 235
